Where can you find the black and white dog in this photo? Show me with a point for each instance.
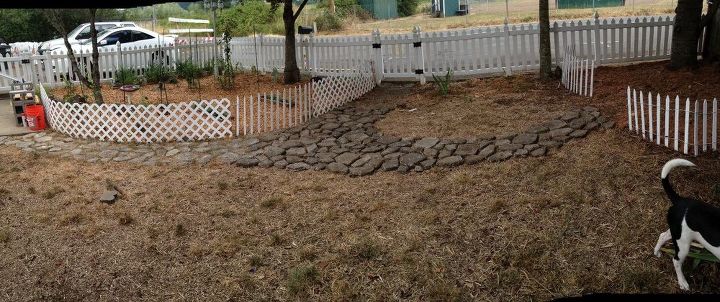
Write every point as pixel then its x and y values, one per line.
pixel 689 220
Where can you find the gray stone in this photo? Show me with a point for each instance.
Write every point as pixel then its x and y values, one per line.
pixel 444 153
pixel 204 159
pixel 450 161
pixel 531 147
pixel 467 149
pixel 430 152
pixel 347 158
pixel 426 164
pixel 590 108
pixel 551 144
pixel 590 126
pixel 400 144
pixel 228 158
pixel 172 152
pixel 386 140
pixel 501 142
pixel 538 152
pixel 570 115
pixel 560 132
pixel 298 166
pixel 330 126
pixel 390 164
pixel 608 125
pixel 294 159
pixel 368 168
pixel 418 169
pixel 521 152
pixel 295 151
pixel 500 156
pixel 411 159
pixel 271 151
pixel 509 147
pixel 361 161
pixel 109 196
pixel 337 168
pixel 487 151
pixel 76 151
pixel 427 142
pixel 578 123
pixel 357 137
pixel 43 139
pixel 326 157
pixel 291 144
pixel 538 129
pixel 578 133
pixel 247 162
pixel 328 142
pixel 108 153
pixel 474 159
pixel 266 163
pixel 280 164
pixel 23 144
pixel 555 124
pixel 525 138
pixel 372 149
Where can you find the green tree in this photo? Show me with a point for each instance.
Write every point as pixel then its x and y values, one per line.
pixel 249 17
pixel 407 8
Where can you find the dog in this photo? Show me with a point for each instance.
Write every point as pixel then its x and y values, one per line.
pixel 689 220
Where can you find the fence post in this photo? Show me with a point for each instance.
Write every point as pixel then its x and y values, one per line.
pixel 507 55
pixel 261 68
pixel 378 61
pixel 556 39
pixel 419 58
pixel 49 72
pixel 118 61
pixel 596 30
pixel 311 54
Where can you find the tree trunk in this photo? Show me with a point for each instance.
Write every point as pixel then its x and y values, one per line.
pixel 545 53
pixel 292 72
pixel 686 32
pixel 712 31
pixel 95 67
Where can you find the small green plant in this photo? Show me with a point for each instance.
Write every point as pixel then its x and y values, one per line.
pixel 190 72
pixel 301 278
pixel 226 78
pixel 275 75
pixel 443 83
pixel 156 73
pixel 125 76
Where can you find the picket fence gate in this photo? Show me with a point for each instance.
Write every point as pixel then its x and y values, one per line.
pixel 654 124
pixel 578 74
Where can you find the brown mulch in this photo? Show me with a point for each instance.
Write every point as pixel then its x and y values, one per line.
pixel 246 84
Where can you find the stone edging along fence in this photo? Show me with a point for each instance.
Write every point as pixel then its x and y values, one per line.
pixel 204 119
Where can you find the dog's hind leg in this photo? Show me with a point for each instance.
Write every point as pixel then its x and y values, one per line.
pixel 664 237
pixel 682 247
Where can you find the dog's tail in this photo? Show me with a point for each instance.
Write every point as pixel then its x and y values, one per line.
pixel 671 164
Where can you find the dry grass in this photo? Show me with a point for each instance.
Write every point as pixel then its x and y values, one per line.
pixel 584 219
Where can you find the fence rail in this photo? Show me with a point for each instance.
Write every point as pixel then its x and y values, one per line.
pixel 578 74
pixel 653 117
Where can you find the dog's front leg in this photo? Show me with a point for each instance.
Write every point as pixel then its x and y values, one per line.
pixel 664 237
pixel 683 247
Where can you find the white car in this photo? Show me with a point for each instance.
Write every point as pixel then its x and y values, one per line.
pixel 135 37
pixel 80 34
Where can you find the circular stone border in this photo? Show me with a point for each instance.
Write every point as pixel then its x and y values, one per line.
pixel 343 141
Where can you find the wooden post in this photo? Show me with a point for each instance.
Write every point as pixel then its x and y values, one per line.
pixel 596 31
pixel 419 58
pixel 507 55
pixel 378 58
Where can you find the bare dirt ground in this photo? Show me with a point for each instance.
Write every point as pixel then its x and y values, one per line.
pixel 584 219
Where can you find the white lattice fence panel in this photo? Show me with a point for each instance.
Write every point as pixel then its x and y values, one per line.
pixel 337 90
pixel 187 121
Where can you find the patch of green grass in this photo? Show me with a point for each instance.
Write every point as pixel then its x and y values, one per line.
pixel 302 278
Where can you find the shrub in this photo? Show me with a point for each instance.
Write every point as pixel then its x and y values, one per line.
pixel 189 72
pixel 226 78
pixel 328 22
pixel 156 73
pixel 443 83
pixel 275 75
pixel 252 16
pixel 125 76
pixel 407 7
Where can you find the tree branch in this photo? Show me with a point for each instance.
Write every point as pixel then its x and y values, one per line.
pixel 297 13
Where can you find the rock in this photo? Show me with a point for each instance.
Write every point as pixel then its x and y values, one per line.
pixel 306 140
pixel 509 147
pixel 411 159
pixel 444 153
pixel 228 158
pixel 555 124
pixel 485 137
pixel 43 139
pixel 361 161
pixel 525 138
pixel 328 142
pixel 247 162
pixel 430 152
pixel 538 152
pixel 403 169
pixel 560 132
pixel 347 158
pixel 337 168
pixel 295 151
pixel 265 163
pixel 298 166
pixel 537 129
pixel 271 151
pixel 280 163
pixel 590 109
pixel 450 161
pixel 487 151
pixel 426 164
pixel 294 159
pixel 590 126
pixel 368 168
pixel 608 125
pixel 521 152
pixel 570 115
pixel 501 142
pixel 76 151
pixel 326 157
pixel 474 159
pixel 400 144
pixel 319 166
pixel 204 159
pixel 390 164
pixel 330 126
pixel 500 156
pixel 418 169
pixel 172 152
pixel 531 147
pixel 373 149
pixel 386 140
pixel 578 133
pixel 109 153
pixel 356 137
pixel 427 142
pixel 467 149
pixel 109 196
pixel 578 123
pixel 551 144
pixel 291 144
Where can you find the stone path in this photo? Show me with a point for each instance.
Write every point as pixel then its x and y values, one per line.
pixel 343 141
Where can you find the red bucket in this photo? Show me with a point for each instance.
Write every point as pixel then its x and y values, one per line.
pixel 35 116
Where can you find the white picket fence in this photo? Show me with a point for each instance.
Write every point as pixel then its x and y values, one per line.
pixel 578 74
pixel 276 110
pixel 471 51
pixel 52 68
pixel 656 115
pixel 186 121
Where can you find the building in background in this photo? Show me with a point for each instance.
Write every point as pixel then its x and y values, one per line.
pixel 569 4
pixel 380 9
pixel 449 8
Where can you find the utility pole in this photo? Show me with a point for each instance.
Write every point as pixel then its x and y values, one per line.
pixel 214 5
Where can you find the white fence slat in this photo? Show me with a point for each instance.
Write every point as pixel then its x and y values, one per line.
pixel 245 128
pixel 687 126
pixel 677 121
pixel 714 125
pixel 695 128
pixel 704 126
pixel 237 116
pixel 629 110
pixel 657 119
pixel 667 120
pixel 650 116
pixel 642 115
